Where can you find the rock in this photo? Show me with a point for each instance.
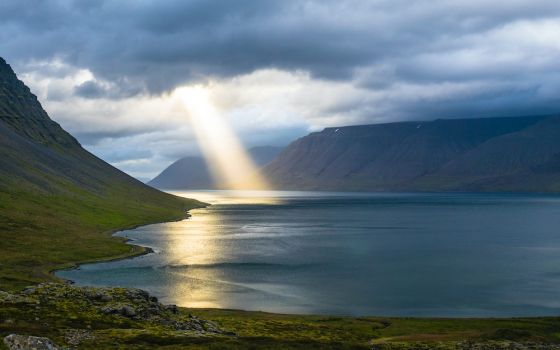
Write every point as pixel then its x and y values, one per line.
pixel 29 290
pixel 108 309
pixel 128 311
pixel 140 294
pixel 27 342
pixel 108 304
pixel 9 298
pixel 102 296
pixel 172 308
pixel 5 297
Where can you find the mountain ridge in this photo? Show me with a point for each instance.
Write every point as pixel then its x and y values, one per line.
pixel 192 172
pixel 423 156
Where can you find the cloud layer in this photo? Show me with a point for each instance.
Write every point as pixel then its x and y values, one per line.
pixel 107 70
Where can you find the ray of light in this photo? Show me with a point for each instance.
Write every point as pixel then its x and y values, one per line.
pixel 228 160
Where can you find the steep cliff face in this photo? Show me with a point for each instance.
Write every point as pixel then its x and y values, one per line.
pixel 57 199
pixel 36 153
pixel 442 155
pixel 21 112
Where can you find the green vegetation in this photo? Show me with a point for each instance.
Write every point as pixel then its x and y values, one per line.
pixel 59 203
pixel 297 331
pixel 119 318
pixel 46 232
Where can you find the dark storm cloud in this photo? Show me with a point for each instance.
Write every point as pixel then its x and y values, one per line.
pixel 93 89
pixel 498 56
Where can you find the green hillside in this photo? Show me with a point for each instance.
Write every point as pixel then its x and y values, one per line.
pixel 59 203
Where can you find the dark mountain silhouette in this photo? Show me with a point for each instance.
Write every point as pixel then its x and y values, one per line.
pixel 193 172
pixel 37 154
pixel 487 154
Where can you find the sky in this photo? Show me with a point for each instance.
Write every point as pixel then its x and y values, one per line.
pixel 275 70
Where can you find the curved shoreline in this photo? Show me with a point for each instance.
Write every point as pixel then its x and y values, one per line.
pixel 136 250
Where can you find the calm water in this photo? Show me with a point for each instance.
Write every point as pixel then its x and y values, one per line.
pixel 359 254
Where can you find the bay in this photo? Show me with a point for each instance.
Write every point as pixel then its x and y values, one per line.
pixel 456 255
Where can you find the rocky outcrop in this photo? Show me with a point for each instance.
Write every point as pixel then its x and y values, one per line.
pixel 73 316
pixel 26 342
pixel 128 303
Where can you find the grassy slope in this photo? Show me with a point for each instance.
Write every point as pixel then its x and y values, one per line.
pixel 278 331
pixel 58 202
pixel 42 233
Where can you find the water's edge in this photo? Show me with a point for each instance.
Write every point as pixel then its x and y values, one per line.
pixel 136 250
pixel 147 270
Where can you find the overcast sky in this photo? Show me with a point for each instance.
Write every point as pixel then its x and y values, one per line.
pixel 107 70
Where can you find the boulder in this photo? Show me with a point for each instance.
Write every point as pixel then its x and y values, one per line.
pixel 28 342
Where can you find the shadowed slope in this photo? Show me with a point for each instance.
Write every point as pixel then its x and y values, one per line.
pixel 193 172
pixel 58 201
pixel 493 154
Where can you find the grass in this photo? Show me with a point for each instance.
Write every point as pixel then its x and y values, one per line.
pixel 258 330
pixel 362 332
pixel 40 233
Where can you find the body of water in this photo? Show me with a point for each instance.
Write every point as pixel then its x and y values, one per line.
pixel 348 253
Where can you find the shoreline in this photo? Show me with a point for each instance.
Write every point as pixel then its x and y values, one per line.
pixel 139 250
pixel 135 250
pixel 249 328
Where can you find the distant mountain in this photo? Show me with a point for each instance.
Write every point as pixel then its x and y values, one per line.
pixel 193 172
pixel 490 154
pixel 57 200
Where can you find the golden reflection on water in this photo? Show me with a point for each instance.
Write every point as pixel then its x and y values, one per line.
pixel 192 249
pixel 234 196
pixel 197 244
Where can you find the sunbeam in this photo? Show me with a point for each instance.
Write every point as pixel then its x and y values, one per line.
pixel 231 166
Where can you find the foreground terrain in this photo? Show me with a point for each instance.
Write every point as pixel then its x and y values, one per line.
pixel 119 318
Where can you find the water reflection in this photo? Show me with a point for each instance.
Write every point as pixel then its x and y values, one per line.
pixel 227 197
pixel 190 250
pixel 336 253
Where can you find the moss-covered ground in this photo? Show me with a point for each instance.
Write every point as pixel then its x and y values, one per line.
pixel 40 233
pixel 84 319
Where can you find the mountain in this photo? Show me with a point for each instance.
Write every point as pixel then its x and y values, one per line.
pixel 57 200
pixel 519 154
pixel 193 172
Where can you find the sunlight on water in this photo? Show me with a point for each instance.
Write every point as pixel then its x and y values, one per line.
pixel 189 250
pixel 236 196
pixel 228 160
pixel 350 253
